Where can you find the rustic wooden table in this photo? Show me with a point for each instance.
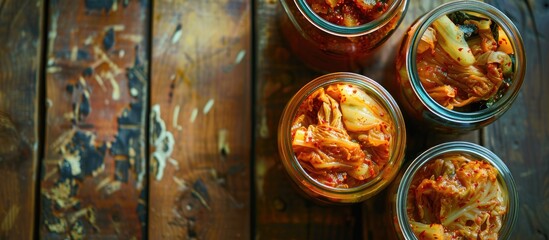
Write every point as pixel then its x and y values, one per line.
pixel 126 119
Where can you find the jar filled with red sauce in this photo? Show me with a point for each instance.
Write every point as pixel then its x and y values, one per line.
pixel 455 190
pixel 339 35
pixel 341 138
pixel 460 67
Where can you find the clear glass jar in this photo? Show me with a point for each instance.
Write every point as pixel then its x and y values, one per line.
pixel 415 99
pixel 312 187
pixel 400 188
pixel 328 47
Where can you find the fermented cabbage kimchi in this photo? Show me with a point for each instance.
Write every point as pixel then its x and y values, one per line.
pixel 456 197
pixel 465 61
pixel 341 136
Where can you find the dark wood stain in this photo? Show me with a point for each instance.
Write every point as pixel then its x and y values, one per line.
pixel 20 60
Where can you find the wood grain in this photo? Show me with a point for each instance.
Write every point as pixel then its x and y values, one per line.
pixel 20 46
pixel 200 120
pixel 93 176
pixel 521 136
pixel 281 212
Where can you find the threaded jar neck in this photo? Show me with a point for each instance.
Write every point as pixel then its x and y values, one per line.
pixel 394 8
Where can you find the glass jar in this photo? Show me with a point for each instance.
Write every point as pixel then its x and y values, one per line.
pixel 328 47
pixel 400 189
pixel 356 191
pixel 411 91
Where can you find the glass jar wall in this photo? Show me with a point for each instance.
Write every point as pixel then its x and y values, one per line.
pixel 455 189
pixel 327 46
pixel 460 66
pixel 341 138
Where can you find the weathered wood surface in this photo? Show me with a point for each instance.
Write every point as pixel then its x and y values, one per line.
pixel 94 172
pixel 200 140
pixel 521 136
pixel 94 169
pixel 20 46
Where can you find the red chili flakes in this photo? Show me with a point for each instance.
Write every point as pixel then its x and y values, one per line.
pixel 459 59
pixel 459 49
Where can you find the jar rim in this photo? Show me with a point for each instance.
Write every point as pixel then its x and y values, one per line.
pixel 376 91
pixel 457 147
pixel 344 31
pixel 501 105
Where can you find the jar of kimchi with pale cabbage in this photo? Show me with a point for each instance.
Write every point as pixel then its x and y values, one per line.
pixel 339 35
pixel 460 66
pixel 455 190
pixel 341 138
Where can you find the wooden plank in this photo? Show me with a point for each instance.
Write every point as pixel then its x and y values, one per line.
pixel 521 136
pixel 20 46
pixel 200 120
pixel 93 176
pixel 281 212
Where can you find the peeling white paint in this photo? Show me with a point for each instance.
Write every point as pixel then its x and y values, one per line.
pixel 177 36
pixel 54 69
pixel 113 187
pixel 99 81
pixel 104 58
pixel 49 103
pixel 89 40
pixel 74 53
pixel 135 38
pixel 114 84
pixel 52 35
pixel 194 114
pixel 74 162
pixel 240 56
pixel 163 143
pixel 208 106
pixel 222 144
pixel 182 184
pixel 103 183
pixel 175 116
pixel 115 27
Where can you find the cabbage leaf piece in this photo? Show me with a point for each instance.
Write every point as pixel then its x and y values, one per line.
pixel 427 231
pixel 453 41
pixel 360 111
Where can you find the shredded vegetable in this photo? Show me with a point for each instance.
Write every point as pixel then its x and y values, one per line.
pixel 342 136
pixel 463 59
pixel 457 196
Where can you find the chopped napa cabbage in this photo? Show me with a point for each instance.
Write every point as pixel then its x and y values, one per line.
pixel 498 57
pixel 453 41
pixel 360 111
pixel 427 41
pixel 427 231
pixel 463 196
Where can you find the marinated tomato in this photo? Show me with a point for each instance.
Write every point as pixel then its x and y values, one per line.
pixel 341 136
